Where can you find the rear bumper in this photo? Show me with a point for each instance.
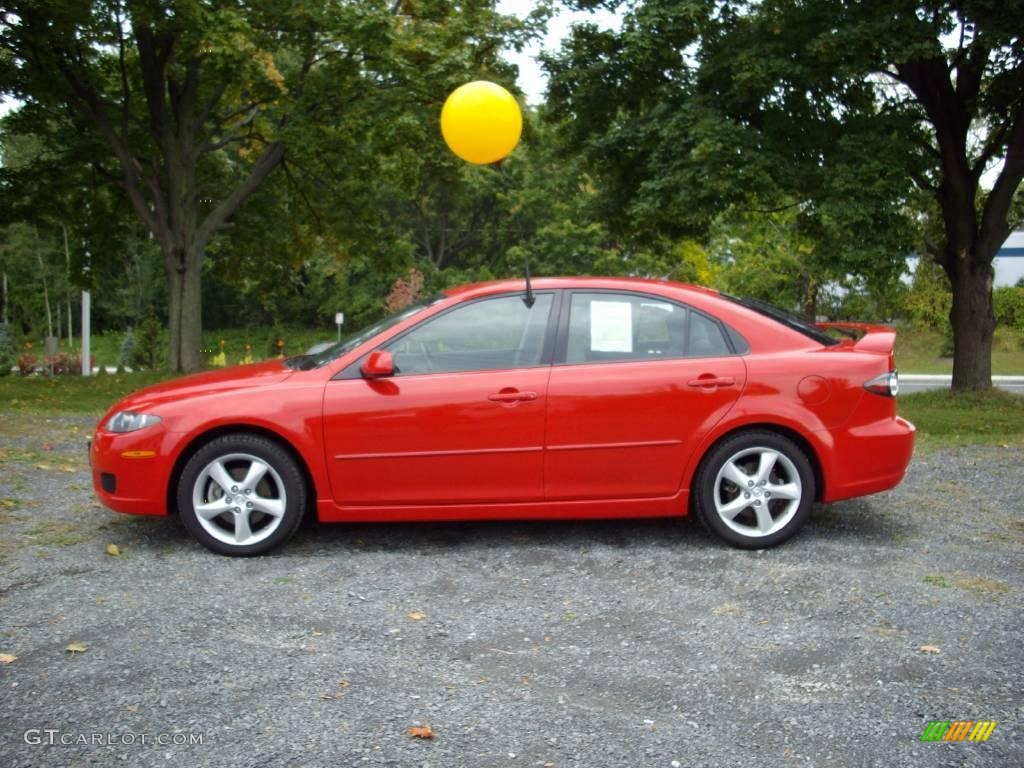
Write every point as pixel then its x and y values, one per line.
pixel 130 471
pixel 867 459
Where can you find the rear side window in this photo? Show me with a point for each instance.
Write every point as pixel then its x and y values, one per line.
pixel 610 327
pixel 706 339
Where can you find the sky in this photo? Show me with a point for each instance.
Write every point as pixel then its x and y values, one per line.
pixel 532 80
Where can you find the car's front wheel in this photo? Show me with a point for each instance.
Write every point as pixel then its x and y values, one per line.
pixel 755 489
pixel 241 494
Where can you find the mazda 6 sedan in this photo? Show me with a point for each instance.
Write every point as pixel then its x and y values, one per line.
pixel 567 398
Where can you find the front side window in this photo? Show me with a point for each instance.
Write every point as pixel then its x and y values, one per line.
pixel 491 334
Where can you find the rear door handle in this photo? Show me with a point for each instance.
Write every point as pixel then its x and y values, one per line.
pixel 512 397
pixel 711 381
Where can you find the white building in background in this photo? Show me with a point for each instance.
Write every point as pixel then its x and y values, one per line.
pixel 1008 263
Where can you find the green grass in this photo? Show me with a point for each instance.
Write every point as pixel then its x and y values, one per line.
pixel 917 351
pixel 988 417
pixel 71 394
pixel 105 347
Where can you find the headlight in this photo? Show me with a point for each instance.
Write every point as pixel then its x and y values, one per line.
pixel 127 421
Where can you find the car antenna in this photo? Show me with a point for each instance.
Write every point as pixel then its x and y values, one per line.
pixel 529 298
pixel 671 274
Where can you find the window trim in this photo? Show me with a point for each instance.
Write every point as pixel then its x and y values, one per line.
pixel 354 369
pixel 562 341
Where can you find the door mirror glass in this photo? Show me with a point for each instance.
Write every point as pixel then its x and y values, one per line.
pixel 379 363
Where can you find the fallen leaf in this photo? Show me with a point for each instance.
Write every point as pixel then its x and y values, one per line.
pixel 421 732
pixel 76 647
pixel 344 683
pixel 930 649
pixel 416 615
pixel 47 447
pixel 113 550
pixel 7 658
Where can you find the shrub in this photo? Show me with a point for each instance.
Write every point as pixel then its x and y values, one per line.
pixel 930 297
pixel 27 363
pixel 64 364
pixel 947 349
pixel 8 352
pixel 126 357
pixel 1008 306
pixel 151 344
pixel 405 292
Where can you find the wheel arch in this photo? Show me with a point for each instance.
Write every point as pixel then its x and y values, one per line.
pixel 198 441
pixel 765 426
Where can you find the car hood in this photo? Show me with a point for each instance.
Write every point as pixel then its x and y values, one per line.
pixel 210 382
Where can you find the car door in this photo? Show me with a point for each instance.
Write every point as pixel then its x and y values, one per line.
pixel 637 383
pixel 460 421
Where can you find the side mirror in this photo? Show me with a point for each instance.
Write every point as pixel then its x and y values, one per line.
pixel 380 363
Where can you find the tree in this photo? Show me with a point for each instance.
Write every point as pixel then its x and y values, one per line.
pixel 831 106
pixel 198 103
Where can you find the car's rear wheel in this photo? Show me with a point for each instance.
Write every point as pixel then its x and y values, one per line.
pixel 241 495
pixel 755 489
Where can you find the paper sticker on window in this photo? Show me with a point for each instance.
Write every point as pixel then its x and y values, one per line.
pixel 611 326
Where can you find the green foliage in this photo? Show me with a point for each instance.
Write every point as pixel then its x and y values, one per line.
pixel 126 357
pixel 1008 306
pixel 151 345
pixel 929 299
pixel 8 350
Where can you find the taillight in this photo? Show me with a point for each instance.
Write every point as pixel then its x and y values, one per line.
pixel 887 385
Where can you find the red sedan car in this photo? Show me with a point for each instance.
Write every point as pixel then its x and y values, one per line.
pixel 573 398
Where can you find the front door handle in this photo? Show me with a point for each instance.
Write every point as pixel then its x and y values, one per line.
pixel 512 396
pixel 711 381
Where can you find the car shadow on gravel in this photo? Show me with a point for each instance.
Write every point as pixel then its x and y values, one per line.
pixel 669 533
pixel 859 521
pixel 873 520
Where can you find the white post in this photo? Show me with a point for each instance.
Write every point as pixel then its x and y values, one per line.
pixel 86 333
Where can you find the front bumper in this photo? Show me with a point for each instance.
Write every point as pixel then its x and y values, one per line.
pixel 130 471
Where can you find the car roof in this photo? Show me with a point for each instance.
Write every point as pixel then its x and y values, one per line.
pixel 542 283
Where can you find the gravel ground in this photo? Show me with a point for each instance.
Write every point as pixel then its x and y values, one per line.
pixel 639 643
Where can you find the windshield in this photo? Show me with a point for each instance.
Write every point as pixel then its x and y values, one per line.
pixel 789 319
pixel 352 341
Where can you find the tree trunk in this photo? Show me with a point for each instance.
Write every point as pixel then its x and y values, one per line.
pixel 67 264
pixel 972 320
pixel 46 289
pixel 185 310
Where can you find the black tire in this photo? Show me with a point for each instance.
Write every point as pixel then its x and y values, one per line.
pixel 749 528
pixel 281 487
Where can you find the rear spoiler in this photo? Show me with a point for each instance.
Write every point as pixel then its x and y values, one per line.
pixel 875 338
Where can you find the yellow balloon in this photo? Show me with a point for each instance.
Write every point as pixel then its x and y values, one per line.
pixel 481 122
